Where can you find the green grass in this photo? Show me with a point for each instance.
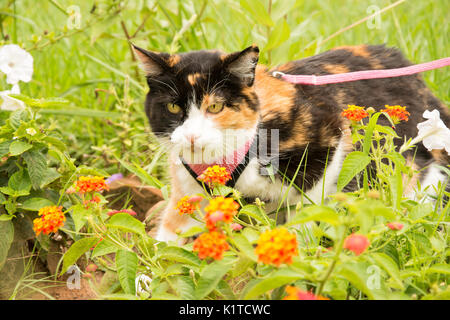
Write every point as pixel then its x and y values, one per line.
pixel 89 67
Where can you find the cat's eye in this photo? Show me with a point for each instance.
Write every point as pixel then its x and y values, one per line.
pixel 215 108
pixel 173 108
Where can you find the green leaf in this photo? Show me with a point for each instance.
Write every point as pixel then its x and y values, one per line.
pixel 192 231
pixel 315 213
pixel 20 181
pixel 141 173
pixel 6 238
pixel 389 265
pixel 439 268
pixel 35 204
pixel 421 211
pixel 242 266
pixel 4 148
pixel 354 163
pixel 6 217
pixel 127 263
pixel 76 250
pixel 358 275
pixel 179 255
pixel 257 11
pixel 244 246
pixel 273 280
pixel 50 175
pixel 104 247
pixel 211 276
pixel 18 147
pixel 37 166
pixel 40 103
pixel 79 216
pixel 127 223
pixel 256 213
pixel 369 132
pixel 185 288
pixel 278 35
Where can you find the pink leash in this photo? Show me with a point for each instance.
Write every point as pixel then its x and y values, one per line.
pixel 362 75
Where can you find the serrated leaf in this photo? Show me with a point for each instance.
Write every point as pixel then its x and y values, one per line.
pixel 104 247
pixel 20 181
pixel 6 238
pixel 4 148
pixel 127 263
pixel 389 265
pixel 192 231
pixel 35 204
pixel 273 280
pixel 18 147
pixel 421 211
pixel 50 175
pixel 353 164
pixel 358 275
pixel 179 255
pixel 127 223
pixel 439 268
pixel 37 166
pixel 211 275
pixel 76 250
pixel 315 213
pixel 185 288
pixel 254 212
pixel 244 246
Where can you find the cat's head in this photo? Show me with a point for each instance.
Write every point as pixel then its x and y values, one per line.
pixel 202 101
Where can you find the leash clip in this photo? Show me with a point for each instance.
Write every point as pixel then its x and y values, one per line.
pixel 277 74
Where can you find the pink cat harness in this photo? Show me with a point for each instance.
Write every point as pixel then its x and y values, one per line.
pixel 362 75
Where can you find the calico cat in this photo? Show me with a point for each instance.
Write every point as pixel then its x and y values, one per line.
pixel 209 101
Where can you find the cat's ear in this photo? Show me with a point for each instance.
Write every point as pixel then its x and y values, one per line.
pixel 152 63
pixel 242 64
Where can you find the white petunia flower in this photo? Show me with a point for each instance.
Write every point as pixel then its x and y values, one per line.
pixel 10 103
pixel 16 63
pixel 433 132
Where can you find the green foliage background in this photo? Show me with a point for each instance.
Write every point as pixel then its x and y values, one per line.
pixel 88 66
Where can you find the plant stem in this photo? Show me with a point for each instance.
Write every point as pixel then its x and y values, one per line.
pixel 333 264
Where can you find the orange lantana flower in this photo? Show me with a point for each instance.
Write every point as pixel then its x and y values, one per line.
pixel 397 113
pixel 188 205
pixel 215 175
pixel 355 113
pixel 91 184
pixel 212 244
pixel 294 293
pixel 276 247
pixel 50 219
pixel 220 209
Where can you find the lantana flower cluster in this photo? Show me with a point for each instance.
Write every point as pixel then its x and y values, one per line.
pixel 214 176
pixel 219 211
pixel 50 219
pixel 276 247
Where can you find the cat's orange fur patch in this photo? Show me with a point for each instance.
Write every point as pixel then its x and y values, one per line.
pixel 230 118
pixel 192 78
pixel 276 96
pixel 336 68
pixel 360 50
pixel 173 60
